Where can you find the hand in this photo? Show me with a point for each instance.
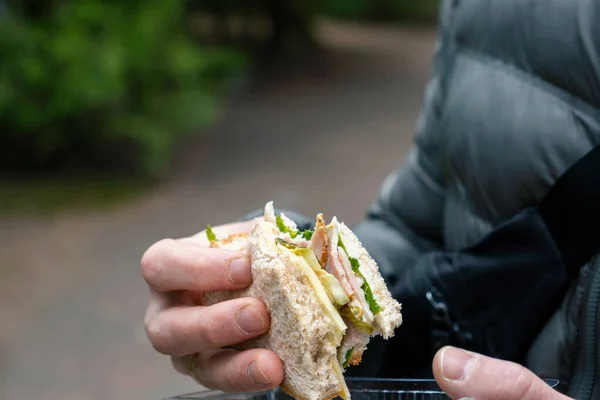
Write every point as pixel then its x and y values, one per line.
pixel 178 272
pixel 463 374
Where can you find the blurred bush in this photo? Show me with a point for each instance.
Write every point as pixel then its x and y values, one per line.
pixel 114 85
pixel 102 84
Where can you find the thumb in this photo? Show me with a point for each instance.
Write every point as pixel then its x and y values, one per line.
pixel 463 374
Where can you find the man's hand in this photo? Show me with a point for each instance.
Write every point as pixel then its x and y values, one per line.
pixel 463 374
pixel 195 336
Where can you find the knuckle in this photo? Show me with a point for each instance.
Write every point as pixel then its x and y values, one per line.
pixel 521 382
pixel 234 378
pixel 207 333
pixel 153 259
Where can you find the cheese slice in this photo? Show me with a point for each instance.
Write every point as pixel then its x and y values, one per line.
pixel 330 283
pixel 337 368
pixel 314 281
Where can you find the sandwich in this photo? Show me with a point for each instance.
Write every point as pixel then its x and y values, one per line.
pixel 325 296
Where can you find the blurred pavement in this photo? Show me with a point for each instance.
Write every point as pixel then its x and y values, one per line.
pixel 319 136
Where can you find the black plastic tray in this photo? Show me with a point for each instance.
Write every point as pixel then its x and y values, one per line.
pixel 360 389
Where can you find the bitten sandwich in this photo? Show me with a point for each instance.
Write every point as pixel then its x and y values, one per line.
pixel 325 296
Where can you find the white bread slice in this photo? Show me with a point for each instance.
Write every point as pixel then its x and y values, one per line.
pixel 301 330
pixel 390 317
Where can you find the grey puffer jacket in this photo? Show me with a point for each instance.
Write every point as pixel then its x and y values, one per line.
pixel 513 102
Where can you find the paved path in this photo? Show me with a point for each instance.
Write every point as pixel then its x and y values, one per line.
pixel 319 136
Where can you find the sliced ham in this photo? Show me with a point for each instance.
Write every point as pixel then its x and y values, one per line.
pixel 357 283
pixel 335 267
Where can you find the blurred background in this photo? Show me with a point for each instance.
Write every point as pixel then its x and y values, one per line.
pixel 123 122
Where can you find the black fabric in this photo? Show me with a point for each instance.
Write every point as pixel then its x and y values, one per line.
pixel 501 292
pixel 571 211
pixel 505 288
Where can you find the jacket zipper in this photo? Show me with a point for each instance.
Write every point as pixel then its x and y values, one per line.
pixel 585 374
pixel 445 330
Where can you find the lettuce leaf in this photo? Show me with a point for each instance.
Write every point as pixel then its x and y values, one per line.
pixel 348 355
pixel 210 234
pixel 307 234
pixel 283 228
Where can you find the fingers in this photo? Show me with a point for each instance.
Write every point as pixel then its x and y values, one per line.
pixel 185 330
pixel 234 371
pixel 463 374
pixel 174 265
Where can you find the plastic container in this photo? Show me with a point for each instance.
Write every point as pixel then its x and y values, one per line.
pixel 360 389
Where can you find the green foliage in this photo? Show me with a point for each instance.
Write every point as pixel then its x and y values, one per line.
pixel 111 84
pixel 102 83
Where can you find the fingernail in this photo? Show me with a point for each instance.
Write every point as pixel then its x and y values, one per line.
pixel 239 271
pixel 249 320
pixel 256 374
pixel 455 363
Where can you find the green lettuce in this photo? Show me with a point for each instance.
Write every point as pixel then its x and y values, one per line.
pixel 210 234
pixel 348 355
pixel 373 306
pixel 307 234
pixel 283 228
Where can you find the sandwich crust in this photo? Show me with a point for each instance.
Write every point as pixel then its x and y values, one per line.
pixel 301 331
pixel 390 317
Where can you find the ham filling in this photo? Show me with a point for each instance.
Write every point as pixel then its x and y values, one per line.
pixel 330 253
pixel 325 244
pixel 336 268
pixel 357 283
pixel 335 260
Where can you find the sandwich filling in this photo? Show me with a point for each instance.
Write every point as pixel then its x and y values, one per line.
pixel 339 274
